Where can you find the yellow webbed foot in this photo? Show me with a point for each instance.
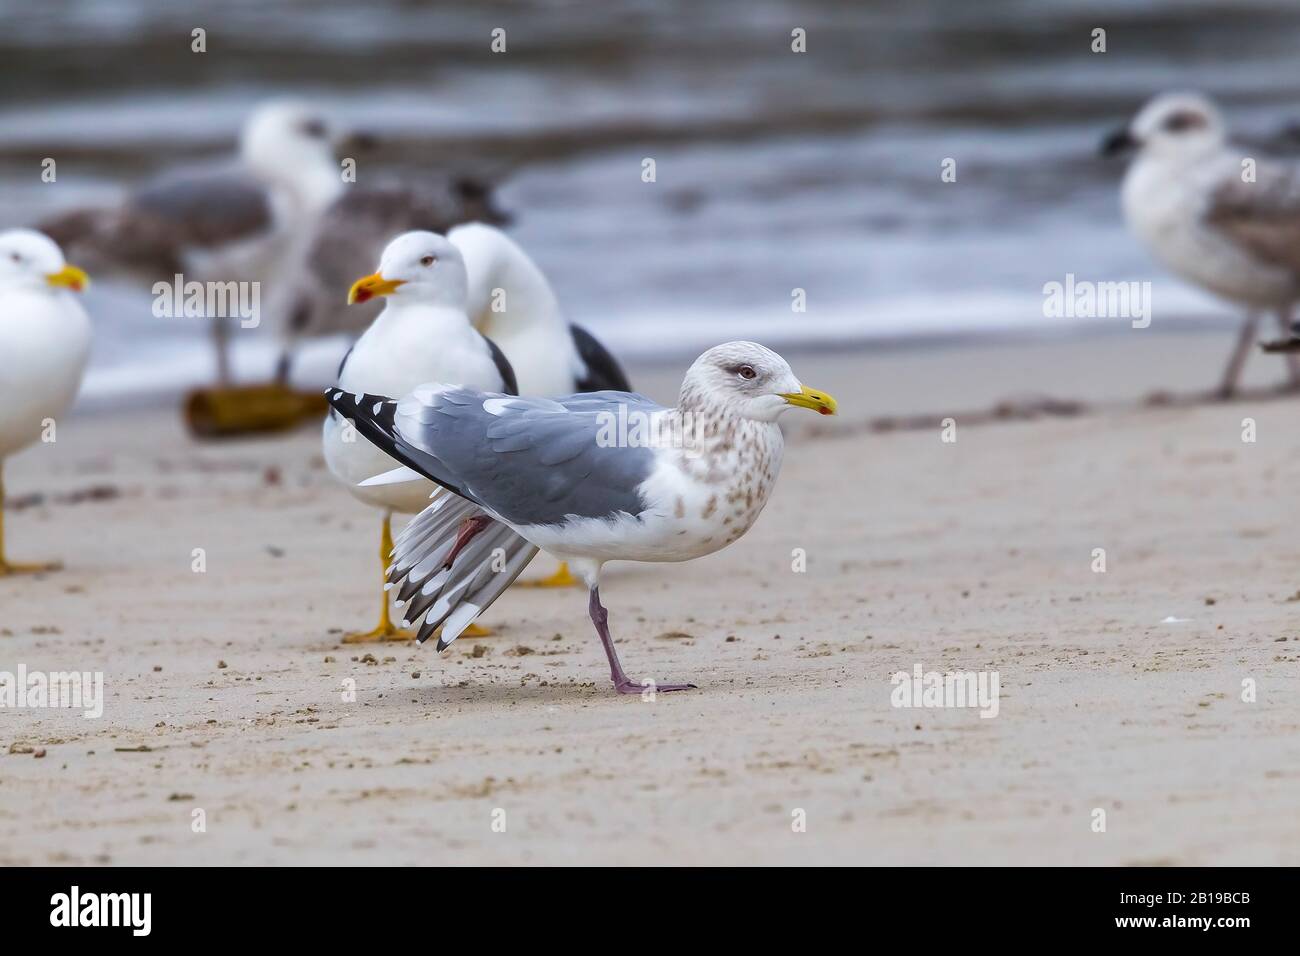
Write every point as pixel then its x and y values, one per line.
pixel 385 632
pixel 560 579
pixel 12 568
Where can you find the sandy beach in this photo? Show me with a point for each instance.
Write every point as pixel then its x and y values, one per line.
pixel 1120 691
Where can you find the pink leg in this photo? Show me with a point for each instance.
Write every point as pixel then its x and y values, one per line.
pixel 468 529
pixel 622 683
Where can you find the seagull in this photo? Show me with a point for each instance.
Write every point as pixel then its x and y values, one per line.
pixel 509 298
pixel 672 484
pixel 1230 226
pixel 241 219
pixel 44 345
pixel 355 228
pixel 422 335
pixel 513 304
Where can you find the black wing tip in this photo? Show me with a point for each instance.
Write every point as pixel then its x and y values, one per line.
pixel 603 370
pixel 509 383
pixel 344 401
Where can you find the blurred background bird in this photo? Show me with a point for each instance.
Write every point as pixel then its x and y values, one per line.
pixel 1218 215
pixel 243 218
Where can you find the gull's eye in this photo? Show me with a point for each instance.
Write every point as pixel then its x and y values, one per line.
pixel 747 372
pixel 15 257
pixel 1184 120
pixel 314 128
pixel 428 260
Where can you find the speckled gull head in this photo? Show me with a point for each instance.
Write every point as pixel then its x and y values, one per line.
pixel 31 259
pixel 417 266
pixel 750 381
pixel 1171 125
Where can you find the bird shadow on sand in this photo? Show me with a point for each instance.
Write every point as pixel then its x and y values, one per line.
pixel 492 695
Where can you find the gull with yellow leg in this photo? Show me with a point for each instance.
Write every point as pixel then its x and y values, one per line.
pixel 423 335
pixel 44 345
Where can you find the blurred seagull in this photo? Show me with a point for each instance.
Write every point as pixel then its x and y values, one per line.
pixel 44 344
pixel 544 473
pixel 1190 196
pixel 422 335
pixel 238 220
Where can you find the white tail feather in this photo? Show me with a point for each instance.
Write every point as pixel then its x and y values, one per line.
pixel 395 477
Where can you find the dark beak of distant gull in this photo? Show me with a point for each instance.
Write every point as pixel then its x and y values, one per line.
pixel 1118 143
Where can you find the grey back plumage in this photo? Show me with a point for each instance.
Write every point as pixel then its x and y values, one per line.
pixel 1262 216
pixel 150 233
pixel 207 206
pixel 528 460
pixel 537 461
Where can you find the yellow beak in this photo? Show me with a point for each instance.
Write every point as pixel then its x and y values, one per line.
pixel 807 397
pixel 363 290
pixel 69 277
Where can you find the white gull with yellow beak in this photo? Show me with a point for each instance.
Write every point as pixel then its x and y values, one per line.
pixel 423 335
pixel 44 345
pixel 529 473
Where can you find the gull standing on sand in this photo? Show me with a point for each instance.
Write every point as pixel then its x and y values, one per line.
pixel 546 471
pixel 423 335
pixel 241 219
pixel 1225 224
pixel 44 345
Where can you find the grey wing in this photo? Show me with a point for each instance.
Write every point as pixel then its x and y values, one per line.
pixel 1262 216
pixel 532 461
pixel 602 369
pixel 149 233
pixel 527 460
pixel 115 239
pixel 208 207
